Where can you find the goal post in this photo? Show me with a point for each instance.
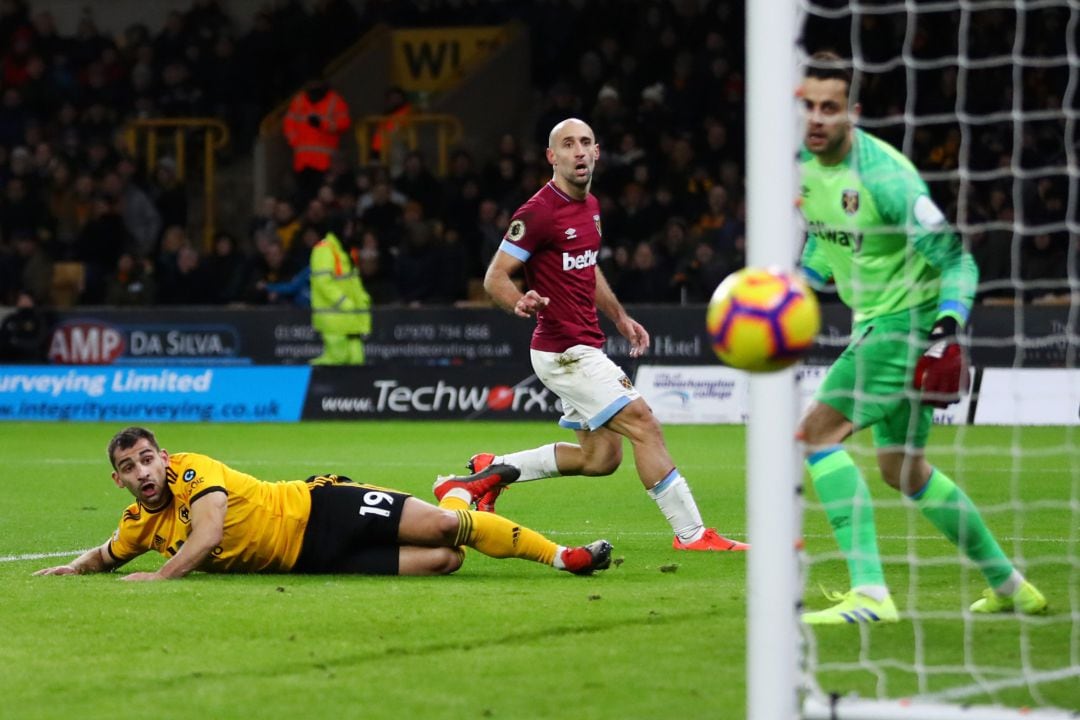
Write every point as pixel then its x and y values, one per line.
pixel 772 459
pixel 983 96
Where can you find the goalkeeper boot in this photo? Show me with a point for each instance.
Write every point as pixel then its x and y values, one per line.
pixel 853 608
pixel 478 484
pixel 477 463
pixel 587 559
pixel 1027 600
pixel 710 541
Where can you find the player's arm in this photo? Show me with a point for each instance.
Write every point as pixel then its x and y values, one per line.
pixel 942 372
pixel 499 284
pixel 94 560
pixel 207 530
pixel 814 264
pixel 942 249
pixel 628 327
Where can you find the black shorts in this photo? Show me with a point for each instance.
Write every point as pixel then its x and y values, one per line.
pixel 353 528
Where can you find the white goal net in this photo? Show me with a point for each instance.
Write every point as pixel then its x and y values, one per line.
pixel 983 96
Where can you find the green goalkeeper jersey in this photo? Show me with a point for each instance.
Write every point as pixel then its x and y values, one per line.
pixel 873 229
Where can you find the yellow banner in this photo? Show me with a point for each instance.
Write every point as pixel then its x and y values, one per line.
pixel 429 59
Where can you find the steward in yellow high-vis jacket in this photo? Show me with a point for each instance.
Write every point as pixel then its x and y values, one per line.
pixel 340 306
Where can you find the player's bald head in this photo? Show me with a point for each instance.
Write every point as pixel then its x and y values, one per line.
pixel 569 126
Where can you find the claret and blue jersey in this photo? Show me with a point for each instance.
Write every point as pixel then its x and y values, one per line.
pixel 558 239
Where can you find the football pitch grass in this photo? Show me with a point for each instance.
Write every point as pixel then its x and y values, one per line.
pixel 660 635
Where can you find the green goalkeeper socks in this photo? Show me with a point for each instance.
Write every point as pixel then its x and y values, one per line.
pixel 952 512
pixel 842 491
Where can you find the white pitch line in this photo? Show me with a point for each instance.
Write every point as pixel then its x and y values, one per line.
pixel 39 556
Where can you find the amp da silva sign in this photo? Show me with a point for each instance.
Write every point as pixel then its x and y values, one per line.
pixel 91 342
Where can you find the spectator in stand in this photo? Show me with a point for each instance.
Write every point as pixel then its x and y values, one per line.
pixel 673 252
pixel 141 217
pixel 299 255
pixel 13 117
pixel 379 283
pixel 396 112
pixel 317 118
pixel 382 212
pixel 639 217
pixel 99 246
pixel 32 267
pixel 21 209
pixel 67 207
pixel 610 117
pixel 1044 266
pixel 25 333
pixel 225 269
pixel 130 284
pixel 296 291
pixel 188 286
pixel 286 223
pixel 716 225
pixel 491 225
pixel 643 281
pixel 704 270
pixel 168 193
pixel 502 182
pixel 418 263
pixel 416 182
pixel 269 267
pixel 461 193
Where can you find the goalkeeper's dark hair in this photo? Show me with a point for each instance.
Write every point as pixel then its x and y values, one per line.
pixel 126 439
pixel 827 65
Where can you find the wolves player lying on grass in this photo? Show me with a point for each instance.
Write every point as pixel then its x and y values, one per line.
pixel 203 515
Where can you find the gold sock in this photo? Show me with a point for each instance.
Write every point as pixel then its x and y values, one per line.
pixel 498 537
pixel 449 502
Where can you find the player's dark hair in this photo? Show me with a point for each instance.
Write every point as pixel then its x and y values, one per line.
pixel 127 438
pixel 827 65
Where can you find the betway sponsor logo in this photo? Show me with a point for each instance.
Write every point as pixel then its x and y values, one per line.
pixel 578 262
pixel 394 397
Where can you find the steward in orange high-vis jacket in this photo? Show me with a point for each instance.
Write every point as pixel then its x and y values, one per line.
pixel 317 118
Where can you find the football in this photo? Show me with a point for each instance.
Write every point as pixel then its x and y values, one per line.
pixel 762 319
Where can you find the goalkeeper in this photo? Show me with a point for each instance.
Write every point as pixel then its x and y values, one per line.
pixel 873 229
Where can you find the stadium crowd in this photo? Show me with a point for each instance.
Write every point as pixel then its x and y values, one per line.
pixel 663 88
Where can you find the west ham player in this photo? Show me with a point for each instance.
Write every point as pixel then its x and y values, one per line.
pixel 874 230
pixel 555 237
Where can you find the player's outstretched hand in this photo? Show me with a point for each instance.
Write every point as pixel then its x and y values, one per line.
pixel 530 303
pixel 142 577
pixel 942 372
pixel 58 570
pixel 638 336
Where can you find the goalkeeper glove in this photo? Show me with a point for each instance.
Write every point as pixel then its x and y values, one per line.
pixel 942 371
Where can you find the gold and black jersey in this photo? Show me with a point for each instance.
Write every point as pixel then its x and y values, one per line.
pixel 264 521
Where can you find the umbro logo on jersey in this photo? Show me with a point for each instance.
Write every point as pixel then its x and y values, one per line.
pixel 570 233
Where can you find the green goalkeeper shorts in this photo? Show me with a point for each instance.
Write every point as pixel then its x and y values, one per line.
pixel 871 382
